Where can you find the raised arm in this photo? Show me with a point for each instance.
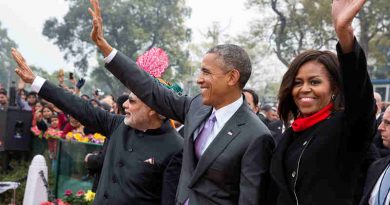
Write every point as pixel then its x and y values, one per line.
pixel 97 30
pixel 353 64
pixel 149 90
pixel 80 109
pixel 358 90
pixel 343 13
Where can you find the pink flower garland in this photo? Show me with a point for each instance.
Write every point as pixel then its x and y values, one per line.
pixel 154 61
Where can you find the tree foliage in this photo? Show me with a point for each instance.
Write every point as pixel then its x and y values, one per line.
pixel 213 36
pixel 304 24
pixel 131 26
pixel 7 65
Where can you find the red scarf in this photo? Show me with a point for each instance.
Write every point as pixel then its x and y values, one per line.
pixel 302 123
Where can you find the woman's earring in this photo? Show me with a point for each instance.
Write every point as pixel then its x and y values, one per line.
pixel 333 97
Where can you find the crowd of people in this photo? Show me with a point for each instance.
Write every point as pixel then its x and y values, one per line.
pixel 51 123
pixel 326 142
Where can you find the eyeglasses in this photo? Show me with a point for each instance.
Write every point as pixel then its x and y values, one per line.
pixel 386 123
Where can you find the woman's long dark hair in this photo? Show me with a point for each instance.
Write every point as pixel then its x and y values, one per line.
pixel 287 109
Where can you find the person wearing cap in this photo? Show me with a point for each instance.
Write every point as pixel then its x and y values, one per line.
pixel 136 167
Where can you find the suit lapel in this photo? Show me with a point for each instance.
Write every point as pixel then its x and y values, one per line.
pixel 376 173
pixel 196 120
pixel 230 130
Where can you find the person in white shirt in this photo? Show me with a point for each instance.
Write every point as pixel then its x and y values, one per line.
pixel 377 186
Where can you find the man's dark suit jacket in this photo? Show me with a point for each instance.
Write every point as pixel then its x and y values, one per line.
pixel 234 169
pixel 276 128
pixel 127 177
pixel 373 174
pixel 95 164
pixel 263 118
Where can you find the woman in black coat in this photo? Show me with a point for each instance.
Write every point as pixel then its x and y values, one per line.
pixel 330 99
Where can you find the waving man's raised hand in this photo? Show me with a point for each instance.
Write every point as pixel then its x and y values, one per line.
pixel 97 30
pixel 23 70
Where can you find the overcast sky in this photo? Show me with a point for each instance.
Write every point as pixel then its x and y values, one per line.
pixel 24 21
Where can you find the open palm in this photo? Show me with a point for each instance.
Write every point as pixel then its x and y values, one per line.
pixel 344 11
pixel 23 70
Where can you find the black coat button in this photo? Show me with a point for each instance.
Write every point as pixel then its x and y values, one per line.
pixel 120 163
pixel 114 180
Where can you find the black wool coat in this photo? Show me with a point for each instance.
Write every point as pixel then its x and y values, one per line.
pixel 331 160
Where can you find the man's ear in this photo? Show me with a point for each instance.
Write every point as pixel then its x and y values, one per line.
pixel 151 112
pixel 257 109
pixel 234 77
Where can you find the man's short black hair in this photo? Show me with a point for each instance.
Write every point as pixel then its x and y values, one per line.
pixel 254 95
pixel 32 93
pixel 234 57
pixel 266 108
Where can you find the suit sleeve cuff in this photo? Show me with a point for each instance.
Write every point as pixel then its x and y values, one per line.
pixel 356 48
pixel 111 56
pixel 37 84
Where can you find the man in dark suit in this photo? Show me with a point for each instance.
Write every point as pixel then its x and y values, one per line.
pixel 226 148
pixel 277 128
pixel 377 186
pixel 136 168
pixel 252 99
pixel 377 141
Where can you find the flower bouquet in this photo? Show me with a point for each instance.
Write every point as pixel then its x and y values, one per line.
pixel 59 202
pixel 52 133
pixel 96 138
pixel 36 131
pixel 80 198
pixel 76 137
pixel 92 138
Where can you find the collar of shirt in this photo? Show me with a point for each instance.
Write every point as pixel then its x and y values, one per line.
pixel 375 190
pixel 225 113
pixel 378 115
pixel 165 127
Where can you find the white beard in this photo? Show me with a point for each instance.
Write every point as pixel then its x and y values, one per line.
pixel 126 121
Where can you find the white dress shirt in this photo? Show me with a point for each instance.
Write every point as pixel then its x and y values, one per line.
pixel 376 190
pixel 223 115
pixel 110 56
pixel 37 84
